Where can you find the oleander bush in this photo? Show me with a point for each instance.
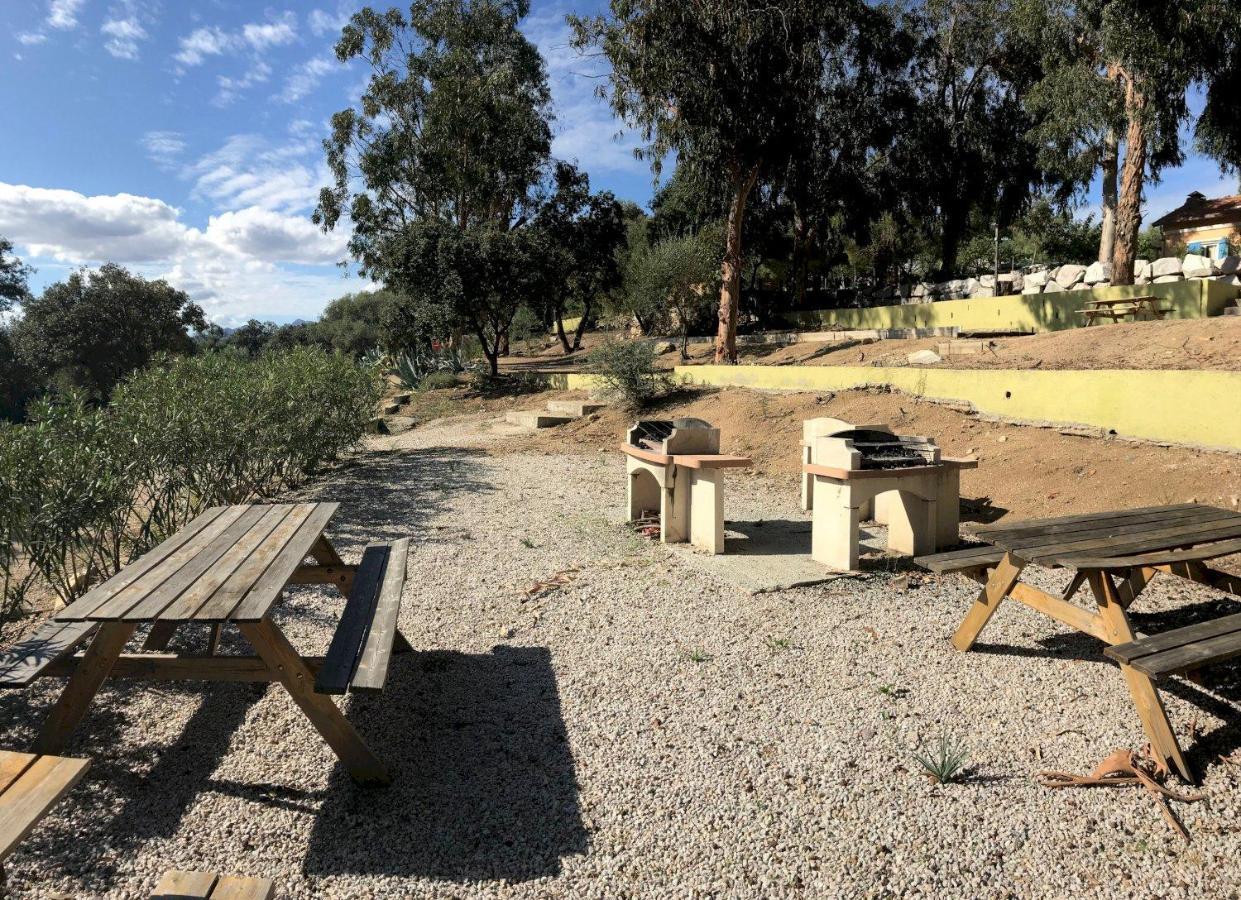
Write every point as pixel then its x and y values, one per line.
pixel 627 370
pixel 83 490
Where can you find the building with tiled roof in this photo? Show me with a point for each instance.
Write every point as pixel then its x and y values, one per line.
pixel 1210 227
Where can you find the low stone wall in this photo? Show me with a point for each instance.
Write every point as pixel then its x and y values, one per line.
pixel 1031 312
pixel 1073 277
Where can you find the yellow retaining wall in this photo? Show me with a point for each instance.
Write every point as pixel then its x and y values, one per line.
pixel 1200 408
pixel 1190 299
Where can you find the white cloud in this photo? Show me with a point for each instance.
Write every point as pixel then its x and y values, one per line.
pixel 164 148
pixel 232 88
pixel 233 266
pixel 123 37
pixel 248 170
pixel 585 130
pixel 211 41
pixel 63 14
pixel 305 78
pixel 324 22
pixel 30 38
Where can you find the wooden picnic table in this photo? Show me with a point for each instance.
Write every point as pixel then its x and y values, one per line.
pixel 1117 554
pixel 227 567
pixel 1117 308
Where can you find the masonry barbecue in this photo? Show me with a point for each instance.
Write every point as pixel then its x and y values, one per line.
pixel 674 468
pixel 854 472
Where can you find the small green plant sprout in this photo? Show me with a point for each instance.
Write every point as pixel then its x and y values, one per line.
pixel 891 690
pixel 945 762
pixel 527 543
pixel 775 644
pixel 698 656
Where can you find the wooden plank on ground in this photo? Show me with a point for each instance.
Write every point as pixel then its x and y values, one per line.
pixel 372 669
pixel 33 794
pixel 235 887
pixel 258 600
pixel 346 646
pixel 178 885
pixel 25 661
pixel 100 593
pixel 154 603
pixel 202 591
pixel 226 599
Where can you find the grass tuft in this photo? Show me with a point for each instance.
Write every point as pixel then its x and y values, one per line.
pixel 944 763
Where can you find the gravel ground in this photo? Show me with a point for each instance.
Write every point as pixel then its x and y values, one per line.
pixel 646 730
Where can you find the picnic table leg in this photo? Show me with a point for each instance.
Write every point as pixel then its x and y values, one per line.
pixel 999 583
pixel 159 636
pixel 299 681
pixel 1133 584
pixel 84 683
pixel 1146 698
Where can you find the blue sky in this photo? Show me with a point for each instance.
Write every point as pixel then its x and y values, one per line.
pixel 183 140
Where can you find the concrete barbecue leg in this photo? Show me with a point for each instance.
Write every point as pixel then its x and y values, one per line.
pixel 834 526
pixel 911 524
pixel 706 510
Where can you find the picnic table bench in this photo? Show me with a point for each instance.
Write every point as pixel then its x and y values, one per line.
pixel 1117 554
pixel 30 785
pixel 179 885
pixel 228 566
pixel 1118 308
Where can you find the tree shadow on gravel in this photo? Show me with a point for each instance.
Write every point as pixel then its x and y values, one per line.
pixel 483 778
pixel 390 494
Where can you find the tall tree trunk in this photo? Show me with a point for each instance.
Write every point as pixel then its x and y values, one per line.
pixel 801 258
pixel 730 270
pixel 564 338
pixel 1129 200
pixel 587 306
pixel 1109 163
pixel 950 239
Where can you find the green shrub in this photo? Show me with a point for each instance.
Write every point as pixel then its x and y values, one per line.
pixel 84 490
pixel 628 371
pixel 438 381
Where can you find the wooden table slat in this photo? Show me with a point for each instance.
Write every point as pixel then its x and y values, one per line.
pixel 1197 553
pixel 988 531
pixel 1169 640
pixel 1160 539
pixel 186 606
pixel 1220 648
pixel 1017 536
pixel 222 603
pixel 101 593
pixel 259 599
pixel 1120 533
pixel 12 764
pixel 162 597
pixel 22 663
pixel 29 798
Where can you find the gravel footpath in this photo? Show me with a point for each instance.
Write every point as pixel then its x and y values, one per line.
pixel 645 730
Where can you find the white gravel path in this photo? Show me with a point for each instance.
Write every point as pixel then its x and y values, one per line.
pixel 648 730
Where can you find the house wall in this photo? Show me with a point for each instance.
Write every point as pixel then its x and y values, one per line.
pixel 1182 237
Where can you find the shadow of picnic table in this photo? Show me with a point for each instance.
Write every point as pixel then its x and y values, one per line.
pixel 483 785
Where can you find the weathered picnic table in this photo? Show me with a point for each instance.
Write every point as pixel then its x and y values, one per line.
pixel 1117 554
pixel 1117 308
pixel 228 566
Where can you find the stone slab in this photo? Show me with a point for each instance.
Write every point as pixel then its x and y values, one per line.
pixel 535 418
pixel 574 408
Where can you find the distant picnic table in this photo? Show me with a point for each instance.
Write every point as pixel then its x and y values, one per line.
pixel 229 566
pixel 1117 554
pixel 1118 308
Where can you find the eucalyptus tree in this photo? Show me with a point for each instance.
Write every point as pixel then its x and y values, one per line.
pixel 435 166
pixel 720 83
pixel 584 236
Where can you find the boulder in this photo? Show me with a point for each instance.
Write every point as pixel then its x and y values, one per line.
pixel 1081 286
pixel 1229 265
pixel 1037 279
pixel 1053 287
pixel 1141 268
pixel 1069 274
pixel 1195 266
pixel 1168 265
pixel 1030 289
pixel 924 358
pixel 1166 279
pixel 1097 272
pixel 921 289
pixel 974 287
pixel 1233 280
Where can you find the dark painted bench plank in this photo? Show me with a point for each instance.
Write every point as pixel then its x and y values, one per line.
pixel 957 560
pixel 23 662
pixel 372 669
pixel 346 646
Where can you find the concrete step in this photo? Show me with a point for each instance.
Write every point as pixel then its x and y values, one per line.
pixel 575 408
pixel 535 418
pixel 1232 310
